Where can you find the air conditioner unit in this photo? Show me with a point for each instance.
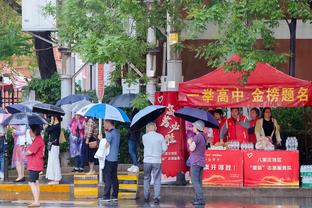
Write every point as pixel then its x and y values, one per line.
pixel 34 18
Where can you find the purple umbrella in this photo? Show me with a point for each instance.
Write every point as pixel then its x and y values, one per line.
pixel 194 114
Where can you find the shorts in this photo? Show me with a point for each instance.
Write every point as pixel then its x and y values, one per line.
pixel 33 176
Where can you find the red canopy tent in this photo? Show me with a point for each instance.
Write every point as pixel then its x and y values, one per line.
pixel 266 86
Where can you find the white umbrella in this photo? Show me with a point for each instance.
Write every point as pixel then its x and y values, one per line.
pixel 77 106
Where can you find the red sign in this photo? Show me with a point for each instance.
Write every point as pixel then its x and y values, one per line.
pixel 223 168
pixel 271 168
pixel 100 82
pixel 249 97
pixel 174 159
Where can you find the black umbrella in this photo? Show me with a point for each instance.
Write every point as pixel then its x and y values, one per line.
pixel 194 114
pixel 146 115
pixel 24 119
pixel 124 100
pixel 18 108
pixel 48 109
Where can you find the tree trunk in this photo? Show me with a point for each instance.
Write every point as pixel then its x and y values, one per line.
pixel 45 56
pixel 292 50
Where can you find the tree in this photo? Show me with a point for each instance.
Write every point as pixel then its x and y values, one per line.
pixel 12 41
pixel 292 11
pixel 241 25
pixel 44 50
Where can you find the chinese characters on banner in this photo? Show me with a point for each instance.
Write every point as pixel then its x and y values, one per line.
pixel 172 128
pixel 271 168
pixel 222 170
pixel 249 97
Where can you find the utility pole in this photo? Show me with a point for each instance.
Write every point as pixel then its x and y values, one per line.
pixel 151 60
pixel 66 82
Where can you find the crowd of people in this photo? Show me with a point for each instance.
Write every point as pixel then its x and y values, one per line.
pixel 84 148
pixel 236 128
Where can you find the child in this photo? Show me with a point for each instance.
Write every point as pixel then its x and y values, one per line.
pixel 35 156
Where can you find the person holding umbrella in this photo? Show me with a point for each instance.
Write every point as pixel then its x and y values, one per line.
pixel 154 146
pixel 112 136
pixel 197 148
pixel 53 131
pixel 35 155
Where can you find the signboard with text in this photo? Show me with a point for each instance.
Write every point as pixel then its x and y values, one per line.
pixel 172 128
pixel 271 168
pixel 223 168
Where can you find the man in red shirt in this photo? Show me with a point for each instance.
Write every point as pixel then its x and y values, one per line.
pixel 235 127
pixel 218 114
pixel 35 154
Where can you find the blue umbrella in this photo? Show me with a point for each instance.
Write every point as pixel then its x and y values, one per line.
pixel 72 99
pixel 24 119
pixel 104 111
pixel 18 108
pixel 146 115
pixel 194 114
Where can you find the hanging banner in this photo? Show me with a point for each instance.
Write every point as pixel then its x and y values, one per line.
pixel 172 128
pixel 222 170
pixel 265 86
pixel 100 81
pixel 247 97
pixel 271 168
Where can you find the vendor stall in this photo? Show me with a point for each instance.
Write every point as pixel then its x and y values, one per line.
pixel 265 87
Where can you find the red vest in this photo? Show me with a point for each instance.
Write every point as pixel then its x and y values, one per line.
pixel 252 137
pixel 235 131
pixel 216 132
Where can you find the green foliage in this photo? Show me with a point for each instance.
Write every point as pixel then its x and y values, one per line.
pixel 241 25
pixel 12 40
pixel 48 90
pixel 99 30
pixel 141 101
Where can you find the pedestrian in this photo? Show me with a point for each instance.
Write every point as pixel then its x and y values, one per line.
pixel 35 155
pixel 133 137
pixel 112 136
pixel 2 150
pixel 77 137
pixel 91 135
pixel 54 167
pixel 197 147
pixel 236 127
pixel 154 146
pixel 254 116
pixel 19 151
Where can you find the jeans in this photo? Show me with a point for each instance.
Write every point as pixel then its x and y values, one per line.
pixel 80 160
pixel 110 179
pixel 196 175
pixel 1 166
pixel 133 152
pixel 155 169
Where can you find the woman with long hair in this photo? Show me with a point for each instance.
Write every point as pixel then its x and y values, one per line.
pixel 54 167
pixel 268 127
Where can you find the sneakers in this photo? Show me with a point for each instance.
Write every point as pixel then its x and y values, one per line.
pixel 133 169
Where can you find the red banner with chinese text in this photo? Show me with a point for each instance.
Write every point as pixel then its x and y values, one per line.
pixel 223 168
pixel 173 129
pixel 247 97
pixel 271 168
pixel 265 86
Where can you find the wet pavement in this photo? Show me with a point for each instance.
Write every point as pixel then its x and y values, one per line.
pixel 170 203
